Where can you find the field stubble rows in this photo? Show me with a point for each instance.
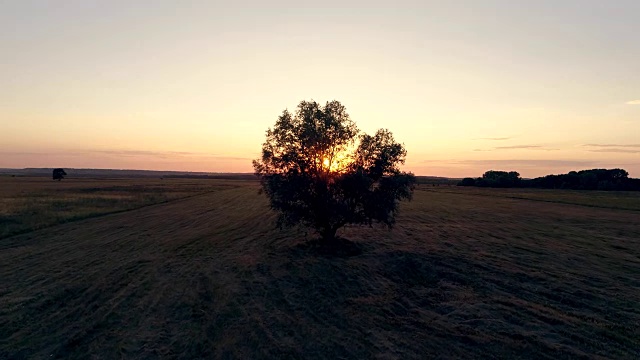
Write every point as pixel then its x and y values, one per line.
pixel 28 204
pixel 461 275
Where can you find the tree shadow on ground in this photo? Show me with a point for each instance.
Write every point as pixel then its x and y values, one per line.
pixel 352 301
pixel 362 301
pixel 340 247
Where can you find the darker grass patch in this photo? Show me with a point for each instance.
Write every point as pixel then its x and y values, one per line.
pixel 340 248
pixel 410 269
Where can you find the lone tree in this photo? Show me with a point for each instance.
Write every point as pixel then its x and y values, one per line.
pixel 58 174
pixel 318 170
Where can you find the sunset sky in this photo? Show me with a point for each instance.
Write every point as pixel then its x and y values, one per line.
pixel 534 86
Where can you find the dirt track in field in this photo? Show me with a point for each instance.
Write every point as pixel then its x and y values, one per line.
pixel 209 276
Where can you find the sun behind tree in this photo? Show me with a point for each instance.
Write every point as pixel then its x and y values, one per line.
pixel 318 170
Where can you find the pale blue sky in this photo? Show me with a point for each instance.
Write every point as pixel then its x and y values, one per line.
pixel 193 85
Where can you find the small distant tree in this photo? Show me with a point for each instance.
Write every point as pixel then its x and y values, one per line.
pixel 318 170
pixel 59 174
pixel 493 178
pixel 467 182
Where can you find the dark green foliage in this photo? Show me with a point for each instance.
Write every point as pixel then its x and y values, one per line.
pixel 493 178
pixel 594 179
pixel 467 182
pixel 501 178
pixel 318 170
pixel 59 174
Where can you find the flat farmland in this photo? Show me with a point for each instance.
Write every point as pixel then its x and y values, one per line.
pixel 205 274
pixel 31 203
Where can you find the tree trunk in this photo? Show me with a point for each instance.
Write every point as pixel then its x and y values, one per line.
pixel 329 235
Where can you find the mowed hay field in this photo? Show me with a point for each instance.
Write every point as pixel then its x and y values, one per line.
pixel 462 275
pixel 31 203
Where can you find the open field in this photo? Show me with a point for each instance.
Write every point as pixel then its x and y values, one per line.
pixel 626 200
pixel 31 203
pixel 464 274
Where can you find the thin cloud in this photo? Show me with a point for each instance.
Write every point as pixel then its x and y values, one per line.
pixel 130 153
pixel 166 154
pixel 182 155
pixel 525 163
pixel 616 150
pixel 613 145
pixel 528 163
pixel 162 154
pixel 495 138
pixel 518 147
pixel 633 102
pixel 513 147
pixel 23 153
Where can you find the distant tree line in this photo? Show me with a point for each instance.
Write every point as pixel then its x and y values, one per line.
pixel 594 179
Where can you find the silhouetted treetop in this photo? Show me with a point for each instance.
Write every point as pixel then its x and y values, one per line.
pixel 305 141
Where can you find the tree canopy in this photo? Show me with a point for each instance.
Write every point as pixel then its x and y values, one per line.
pixel 320 171
pixel 593 179
pixel 58 174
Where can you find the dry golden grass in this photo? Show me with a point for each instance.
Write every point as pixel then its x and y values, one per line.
pixel 462 275
pixel 28 204
pixel 628 200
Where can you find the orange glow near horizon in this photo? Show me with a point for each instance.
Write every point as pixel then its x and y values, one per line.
pixel 466 86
